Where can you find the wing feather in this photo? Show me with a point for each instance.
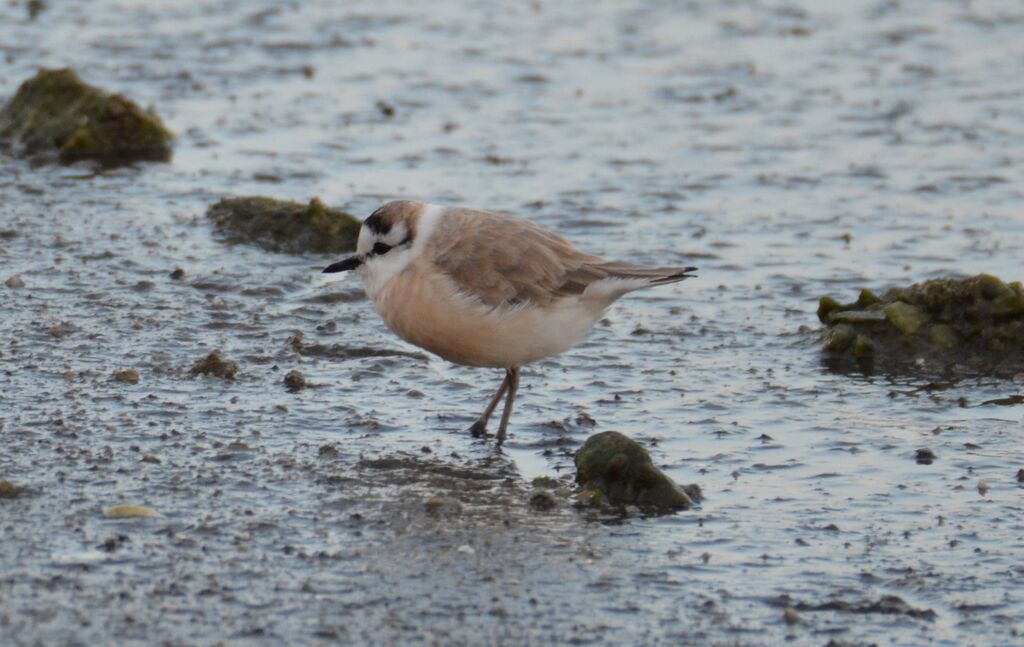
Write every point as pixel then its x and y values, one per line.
pixel 505 261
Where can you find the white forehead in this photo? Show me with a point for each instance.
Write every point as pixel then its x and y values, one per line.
pixel 368 238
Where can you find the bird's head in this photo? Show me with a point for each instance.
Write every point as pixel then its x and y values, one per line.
pixel 385 242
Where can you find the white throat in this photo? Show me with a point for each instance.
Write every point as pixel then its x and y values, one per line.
pixel 377 271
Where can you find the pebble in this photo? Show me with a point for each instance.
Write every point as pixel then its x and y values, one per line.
pixel 127 511
pixel 9 490
pixel 295 381
pixel 127 375
pixel 790 616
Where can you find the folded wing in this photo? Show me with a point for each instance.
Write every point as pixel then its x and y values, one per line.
pixel 508 261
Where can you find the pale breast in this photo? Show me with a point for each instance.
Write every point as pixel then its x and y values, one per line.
pixel 425 308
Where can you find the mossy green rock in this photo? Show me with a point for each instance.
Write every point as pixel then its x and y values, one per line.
pixel 288 227
pixel 622 471
pixel 907 318
pixel 55 114
pixel 955 327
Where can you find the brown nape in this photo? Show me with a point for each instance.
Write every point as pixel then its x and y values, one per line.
pixel 388 215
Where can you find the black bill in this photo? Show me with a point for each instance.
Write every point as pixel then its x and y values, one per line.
pixel 349 263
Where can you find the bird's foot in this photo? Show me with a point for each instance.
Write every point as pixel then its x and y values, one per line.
pixel 478 429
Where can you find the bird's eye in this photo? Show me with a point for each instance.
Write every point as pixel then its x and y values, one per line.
pixel 381 248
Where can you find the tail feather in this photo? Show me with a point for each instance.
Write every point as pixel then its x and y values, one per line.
pixel 655 275
pixel 612 280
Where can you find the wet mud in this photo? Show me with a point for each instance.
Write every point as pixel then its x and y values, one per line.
pixel 790 153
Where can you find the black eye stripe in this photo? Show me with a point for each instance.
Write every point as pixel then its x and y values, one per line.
pixel 381 248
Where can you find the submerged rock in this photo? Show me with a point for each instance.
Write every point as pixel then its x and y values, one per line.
pixel 56 114
pixel 127 375
pixel 615 468
pixel 215 365
pixel 288 227
pixel 973 326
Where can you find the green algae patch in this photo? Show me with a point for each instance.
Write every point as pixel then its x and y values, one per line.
pixel 615 469
pixel 57 115
pixel 285 227
pixel 953 327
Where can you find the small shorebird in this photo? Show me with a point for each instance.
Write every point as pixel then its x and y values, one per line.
pixel 486 289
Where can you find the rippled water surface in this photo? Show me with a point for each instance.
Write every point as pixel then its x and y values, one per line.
pixel 789 150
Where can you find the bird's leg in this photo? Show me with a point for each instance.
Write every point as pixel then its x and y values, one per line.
pixel 479 428
pixel 513 386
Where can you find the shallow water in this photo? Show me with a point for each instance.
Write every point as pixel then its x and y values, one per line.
pixel 789 153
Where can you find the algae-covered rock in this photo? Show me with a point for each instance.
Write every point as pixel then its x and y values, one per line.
pixel 55 114
pixel 621 470
pixel 215 365
pixel 956 327
pixel 288 227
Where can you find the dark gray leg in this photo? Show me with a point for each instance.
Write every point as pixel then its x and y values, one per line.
pixel 479 428
pixel 513 386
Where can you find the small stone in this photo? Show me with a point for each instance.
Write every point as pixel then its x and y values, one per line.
pixel 215 365
pixel 178 274
pixel 622 470
pixel 14 282
pixel 924 456
pixel 905 317
pixel 1020 476
pixel 790 616
pixel 9 490
pixel 443 506
pixel 127 511
pixel 127 375
pixel 543 500
pixel 295 381
pixel 149 458
pixel 544 483
pixel 465 549
pixel 983 488
pixel 327 450
pixel 109 545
